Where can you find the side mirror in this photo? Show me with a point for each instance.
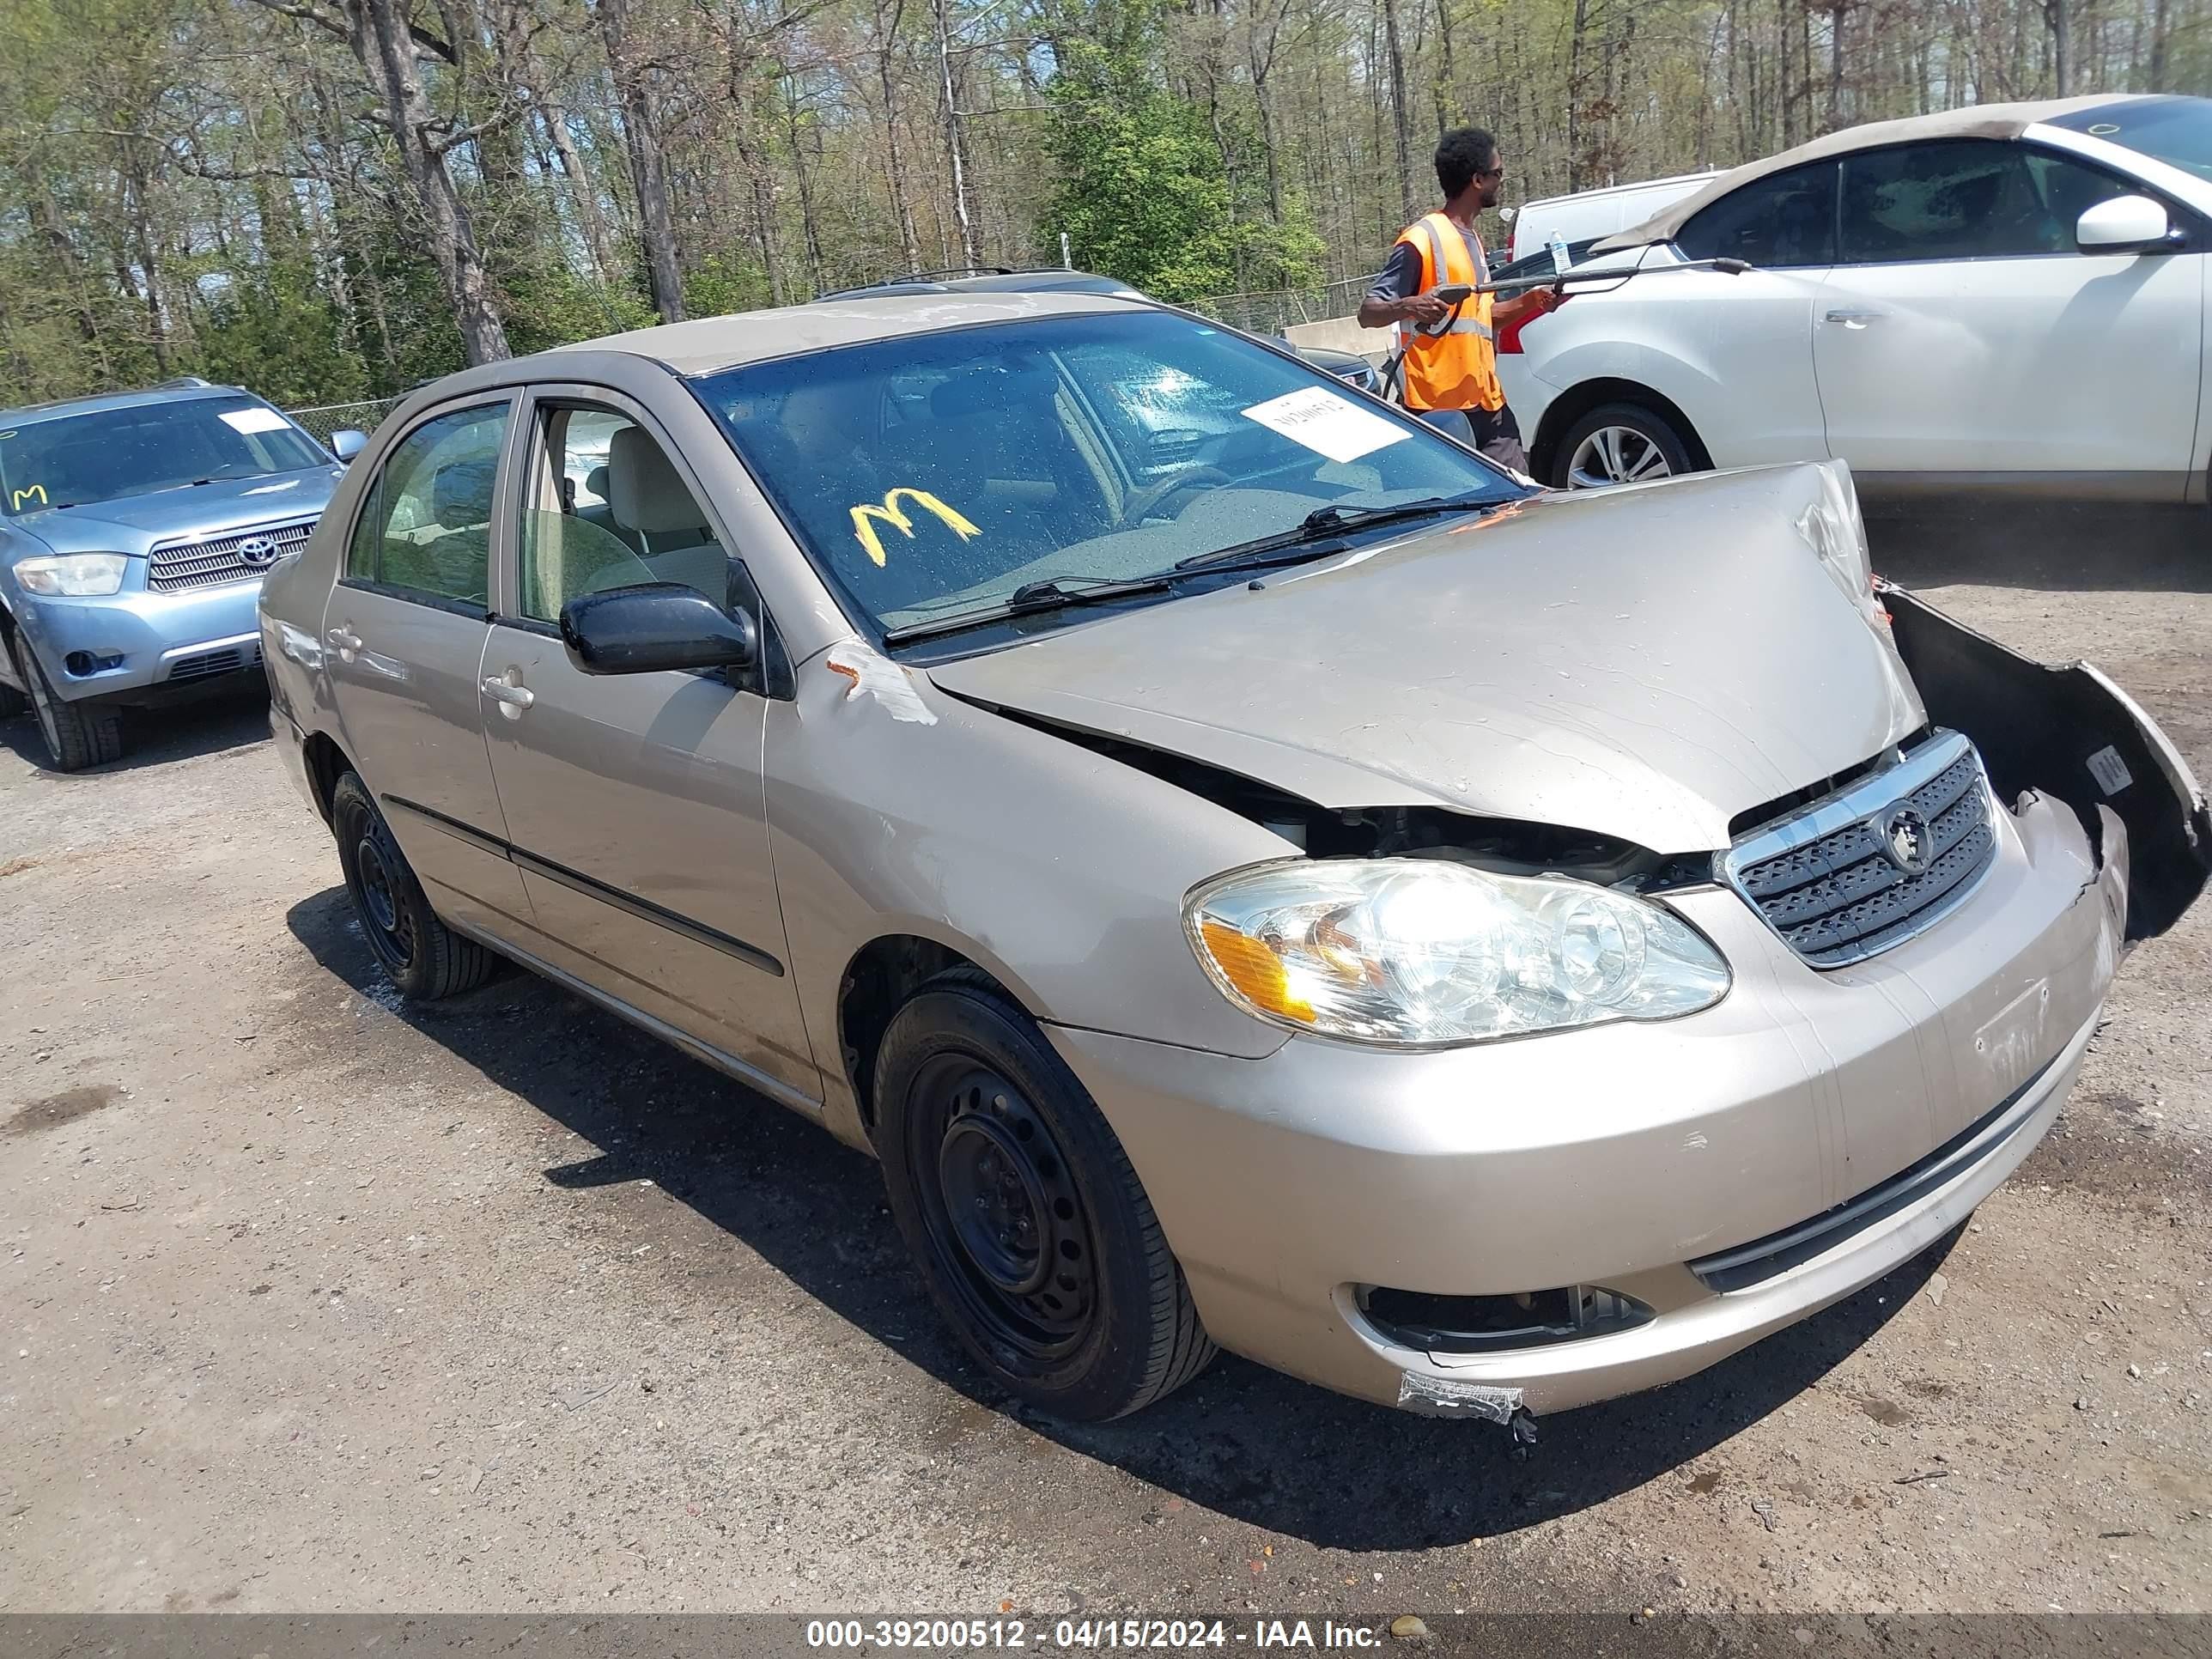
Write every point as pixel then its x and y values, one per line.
pixel 653 626
pixel 2126 224
pixel 348 442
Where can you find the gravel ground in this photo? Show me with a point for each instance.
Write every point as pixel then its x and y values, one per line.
pixel 313 1301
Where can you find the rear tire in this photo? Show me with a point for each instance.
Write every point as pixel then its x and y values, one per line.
pixel 1032 1230
pixel 77 735
pixel 426 959
pixel 1618 444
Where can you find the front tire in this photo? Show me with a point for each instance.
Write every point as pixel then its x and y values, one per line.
pixel 1032 1230
pixel 1618 444
pixel 77 735
pixel 422 957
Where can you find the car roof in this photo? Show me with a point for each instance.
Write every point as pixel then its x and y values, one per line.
pixel 1044 280
pixel 707 345
pixel 2001 121
pixel 31 414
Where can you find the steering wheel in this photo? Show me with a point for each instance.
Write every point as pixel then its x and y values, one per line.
pixel 1140 506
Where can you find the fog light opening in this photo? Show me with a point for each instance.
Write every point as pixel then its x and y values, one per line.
pixel 1482 1324
pixel 79 664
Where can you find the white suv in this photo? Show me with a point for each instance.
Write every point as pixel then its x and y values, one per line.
pixel 2009 297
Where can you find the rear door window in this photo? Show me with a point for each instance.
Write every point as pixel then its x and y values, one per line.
pixel 425 526
pixel 1786 219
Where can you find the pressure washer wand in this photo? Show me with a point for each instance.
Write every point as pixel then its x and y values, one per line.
pixel 1616 274
pixel 1456 295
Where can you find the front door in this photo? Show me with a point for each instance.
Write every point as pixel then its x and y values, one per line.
pixel 1961 331
pixel 635 803
pixel 403 641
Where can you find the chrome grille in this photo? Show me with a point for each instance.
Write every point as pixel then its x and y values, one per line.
pixel 1868 869
pixel 226 558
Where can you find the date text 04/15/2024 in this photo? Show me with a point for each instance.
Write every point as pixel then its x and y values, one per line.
pixel 1087 1634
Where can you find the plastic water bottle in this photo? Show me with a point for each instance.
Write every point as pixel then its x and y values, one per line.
pixel 1558 248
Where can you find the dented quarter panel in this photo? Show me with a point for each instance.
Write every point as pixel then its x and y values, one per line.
pixel 1644 665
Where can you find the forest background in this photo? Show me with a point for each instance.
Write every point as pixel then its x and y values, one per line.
pixel 330 200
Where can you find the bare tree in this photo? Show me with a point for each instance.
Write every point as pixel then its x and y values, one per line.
pixel 390 50
pixel 633 76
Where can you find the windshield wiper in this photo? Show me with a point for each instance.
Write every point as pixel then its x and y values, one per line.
pixel 1028 599
pixel 1325 524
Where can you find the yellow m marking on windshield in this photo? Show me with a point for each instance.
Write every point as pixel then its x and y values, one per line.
pixel 868 515
pixel 18 497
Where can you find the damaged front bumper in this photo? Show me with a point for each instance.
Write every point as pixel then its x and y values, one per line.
pixel 1707 1180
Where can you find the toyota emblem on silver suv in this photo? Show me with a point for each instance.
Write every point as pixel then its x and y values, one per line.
pixel 257 551
pixel 1905 838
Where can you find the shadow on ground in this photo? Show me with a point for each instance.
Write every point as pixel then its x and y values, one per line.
pixel 160 737
pixel 1242 1440
pixel 2063 547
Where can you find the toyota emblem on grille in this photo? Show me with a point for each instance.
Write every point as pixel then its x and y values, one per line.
pixel 258 550
pixel 1905 838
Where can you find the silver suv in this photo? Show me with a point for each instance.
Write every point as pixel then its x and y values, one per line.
pixel 134 533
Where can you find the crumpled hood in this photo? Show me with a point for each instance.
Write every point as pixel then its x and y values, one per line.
pixel 1645 663
pixel 135 523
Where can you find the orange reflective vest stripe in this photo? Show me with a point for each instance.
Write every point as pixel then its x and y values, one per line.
pixel 1457 369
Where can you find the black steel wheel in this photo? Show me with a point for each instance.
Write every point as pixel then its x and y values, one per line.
pixel 419 953
pixel 1032 1232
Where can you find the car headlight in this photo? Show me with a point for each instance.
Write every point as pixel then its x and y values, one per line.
pixel 72 575
pixel 1425 953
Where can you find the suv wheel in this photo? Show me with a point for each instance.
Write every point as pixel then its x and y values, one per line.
pixel 1037 1243
pixel 77 735
pixel 1618 444
pixel 425 958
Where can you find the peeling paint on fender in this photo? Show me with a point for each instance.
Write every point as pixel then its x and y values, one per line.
pixel 880 678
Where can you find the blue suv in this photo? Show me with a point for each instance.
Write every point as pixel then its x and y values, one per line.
pixel 134 533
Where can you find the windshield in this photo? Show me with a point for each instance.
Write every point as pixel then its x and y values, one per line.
pixel 2175 130
pixel 937 474
pixel 75 460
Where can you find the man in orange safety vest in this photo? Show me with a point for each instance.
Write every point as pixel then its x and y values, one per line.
pixel 1451 372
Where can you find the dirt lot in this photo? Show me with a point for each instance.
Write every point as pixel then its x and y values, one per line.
pixel 313 1301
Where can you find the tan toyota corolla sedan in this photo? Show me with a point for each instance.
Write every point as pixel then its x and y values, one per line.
pixel 1253 872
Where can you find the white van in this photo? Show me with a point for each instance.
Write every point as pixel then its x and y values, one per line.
pixel 1592 213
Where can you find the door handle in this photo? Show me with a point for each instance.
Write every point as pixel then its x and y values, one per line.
pixel 1853 319
pixel 345 641
pixel 511 696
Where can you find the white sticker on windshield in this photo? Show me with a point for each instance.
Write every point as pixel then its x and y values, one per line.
pixel 253 420
pixel 1326 424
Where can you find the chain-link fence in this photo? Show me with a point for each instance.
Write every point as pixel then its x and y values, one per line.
pixel 1274 311
pixel 326 418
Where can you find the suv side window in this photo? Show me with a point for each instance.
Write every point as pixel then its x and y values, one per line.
pixel 1785 220
pixel 607 509
pixel 1968 198
pixel 425 525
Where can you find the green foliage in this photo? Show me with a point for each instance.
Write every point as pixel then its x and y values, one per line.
pixel 720 284
pixel 556 305
pixel 1141 188
pixel 279 332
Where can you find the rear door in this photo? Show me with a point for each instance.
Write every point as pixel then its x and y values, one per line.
pixel 1961 331
pixel 404 633
pixel 634 802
